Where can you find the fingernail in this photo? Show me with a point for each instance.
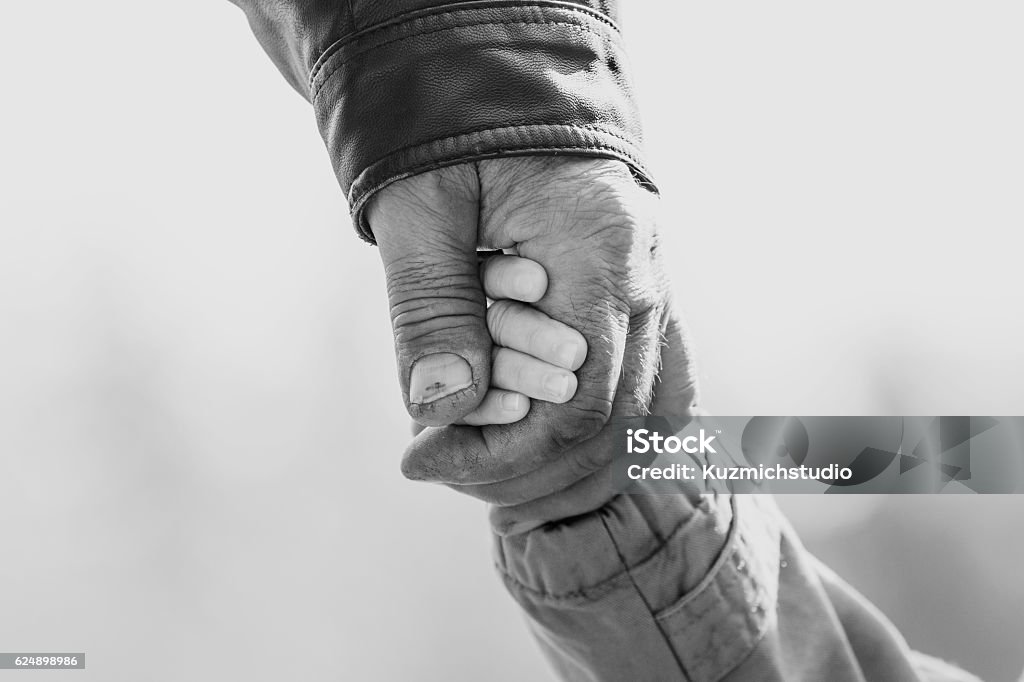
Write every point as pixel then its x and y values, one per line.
pixel 565 355
pixel 437 376
pixel 557 385
pixel 511 402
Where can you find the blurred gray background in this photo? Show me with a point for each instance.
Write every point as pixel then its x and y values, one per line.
pixel 199 420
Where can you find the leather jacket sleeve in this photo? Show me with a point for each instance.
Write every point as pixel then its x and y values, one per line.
pixel 407 86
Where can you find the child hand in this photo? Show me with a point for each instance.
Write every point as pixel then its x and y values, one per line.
pixel 534 356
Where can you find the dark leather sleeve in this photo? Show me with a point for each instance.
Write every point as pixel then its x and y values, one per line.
pixel 407 86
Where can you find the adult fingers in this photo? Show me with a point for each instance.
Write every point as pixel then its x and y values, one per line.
pixel 426 227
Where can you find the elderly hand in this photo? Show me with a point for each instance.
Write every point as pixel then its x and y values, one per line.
pixel 592 228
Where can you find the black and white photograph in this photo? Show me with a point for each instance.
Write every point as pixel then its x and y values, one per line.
pixel 512 340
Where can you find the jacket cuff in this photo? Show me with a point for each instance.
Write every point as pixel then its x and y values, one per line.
pixel 471 81
pixel 650 583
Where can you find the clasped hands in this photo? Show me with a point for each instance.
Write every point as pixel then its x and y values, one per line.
pixel 582 329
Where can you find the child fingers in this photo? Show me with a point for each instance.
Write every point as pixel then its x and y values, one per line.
pixel 513 277
pixel 498 407
pixel 522 373
pixel 526 329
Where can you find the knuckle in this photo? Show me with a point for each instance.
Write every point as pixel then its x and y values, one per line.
pixel 419 329
pixel 597 316
pixel 506 369
pixel 511 325
pixel 646 317
pixel 416 274
pixel 424 304
pixel 531 335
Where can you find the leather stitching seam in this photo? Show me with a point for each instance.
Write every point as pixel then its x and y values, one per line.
pixel 417 16
pixel 357 197
pixel 317 89
pixel 491 128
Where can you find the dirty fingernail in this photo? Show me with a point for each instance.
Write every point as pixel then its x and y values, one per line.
pixel 438 376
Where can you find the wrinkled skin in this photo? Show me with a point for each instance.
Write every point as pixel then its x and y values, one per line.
pixel 593 229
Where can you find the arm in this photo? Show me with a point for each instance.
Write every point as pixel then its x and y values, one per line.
pixel 406 86
pixel 692 587
pixel 665 588
pixel 633 590
pixel 426 108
